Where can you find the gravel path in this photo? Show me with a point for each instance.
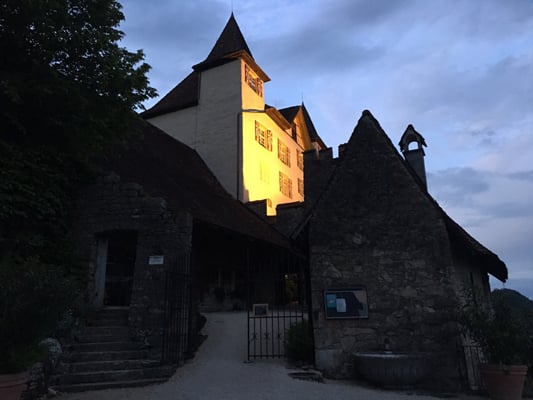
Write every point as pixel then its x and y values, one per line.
pixel 218 372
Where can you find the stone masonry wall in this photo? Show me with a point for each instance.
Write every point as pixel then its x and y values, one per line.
pixel 374 227
pixel 111 205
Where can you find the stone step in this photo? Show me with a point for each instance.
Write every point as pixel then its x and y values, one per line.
pixel 111 312
pixel 104 346
pixel 108 322
pixel 107 330
pixel 114 376
pixel 82 387
pixel 88 338
pixel 92 366
pixel 104 355
pixel 110 316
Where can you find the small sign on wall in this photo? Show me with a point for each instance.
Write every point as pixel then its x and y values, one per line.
pixel 156 260
pixel 346 303
pixel 260 310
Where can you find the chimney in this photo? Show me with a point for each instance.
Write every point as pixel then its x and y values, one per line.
pixel 414 156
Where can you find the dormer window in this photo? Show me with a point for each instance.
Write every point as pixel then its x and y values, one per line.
pixel 255 83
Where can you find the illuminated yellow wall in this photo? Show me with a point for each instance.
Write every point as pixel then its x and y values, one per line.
pixel 222 129
pixel 261 167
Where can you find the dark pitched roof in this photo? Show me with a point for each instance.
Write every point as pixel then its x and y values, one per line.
pixel 185 94
pixel 169 169
pixel 230 41
pixel 311 128
pixel 290 113
pixel 459 238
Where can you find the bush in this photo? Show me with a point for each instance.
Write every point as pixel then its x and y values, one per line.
pixel 300 346
pixel 33 297
pixel 501 333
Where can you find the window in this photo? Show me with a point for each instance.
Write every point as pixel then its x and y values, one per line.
pixel 297 134
pixel 285 185
pixel 263 136
pixel 301 186
pixel 300 160
pixel 264 173
pixel 255 83
pixel 284 153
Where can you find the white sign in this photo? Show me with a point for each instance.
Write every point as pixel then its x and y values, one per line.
pixel 341 305
pixel 156 260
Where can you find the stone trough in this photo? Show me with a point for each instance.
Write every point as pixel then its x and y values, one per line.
pixel 393 370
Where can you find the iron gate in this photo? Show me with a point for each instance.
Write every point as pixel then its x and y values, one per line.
pixel 471 357
pixel 277 299
pixel 177 310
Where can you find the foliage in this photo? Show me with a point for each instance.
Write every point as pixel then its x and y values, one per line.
pixel 33 296
pixel 300 345
pixel 66 82
pixel 518 303
pixel 69 93
pixel 502 333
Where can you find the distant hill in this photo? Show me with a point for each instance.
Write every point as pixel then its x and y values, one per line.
pixel 520 305
pixel 517 301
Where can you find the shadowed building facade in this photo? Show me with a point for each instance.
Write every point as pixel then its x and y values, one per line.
pixel 374 227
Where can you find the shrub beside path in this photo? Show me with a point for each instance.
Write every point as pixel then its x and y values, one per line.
pixel 219 372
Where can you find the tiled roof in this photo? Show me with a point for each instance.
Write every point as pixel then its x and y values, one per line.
pixel 230 41
pixel 290 113
pixel 311 128
pixel 169 169
pixel 185 94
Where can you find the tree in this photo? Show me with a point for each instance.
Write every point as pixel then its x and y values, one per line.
pixel 68 92
pixel 65 81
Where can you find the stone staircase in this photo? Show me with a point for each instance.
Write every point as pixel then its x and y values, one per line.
pixel 104 356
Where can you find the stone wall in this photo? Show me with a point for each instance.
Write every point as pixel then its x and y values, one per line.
pixel 374 227
pixel 288 217
pixel 318 167
pixel 113 206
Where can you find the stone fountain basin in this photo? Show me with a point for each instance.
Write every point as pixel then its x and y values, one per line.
pixel 393 370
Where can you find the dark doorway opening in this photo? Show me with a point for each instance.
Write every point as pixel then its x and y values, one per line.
pixel 121 250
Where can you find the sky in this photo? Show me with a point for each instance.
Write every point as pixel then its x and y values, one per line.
pixel 460 71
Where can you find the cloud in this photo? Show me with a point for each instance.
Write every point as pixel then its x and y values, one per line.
pixel 461 77
pixel 496 208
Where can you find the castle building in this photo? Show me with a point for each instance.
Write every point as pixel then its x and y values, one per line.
pixel 219 109
pixel 369 260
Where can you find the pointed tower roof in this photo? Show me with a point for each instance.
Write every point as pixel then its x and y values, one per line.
pixel 229 41
pixel 230 45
